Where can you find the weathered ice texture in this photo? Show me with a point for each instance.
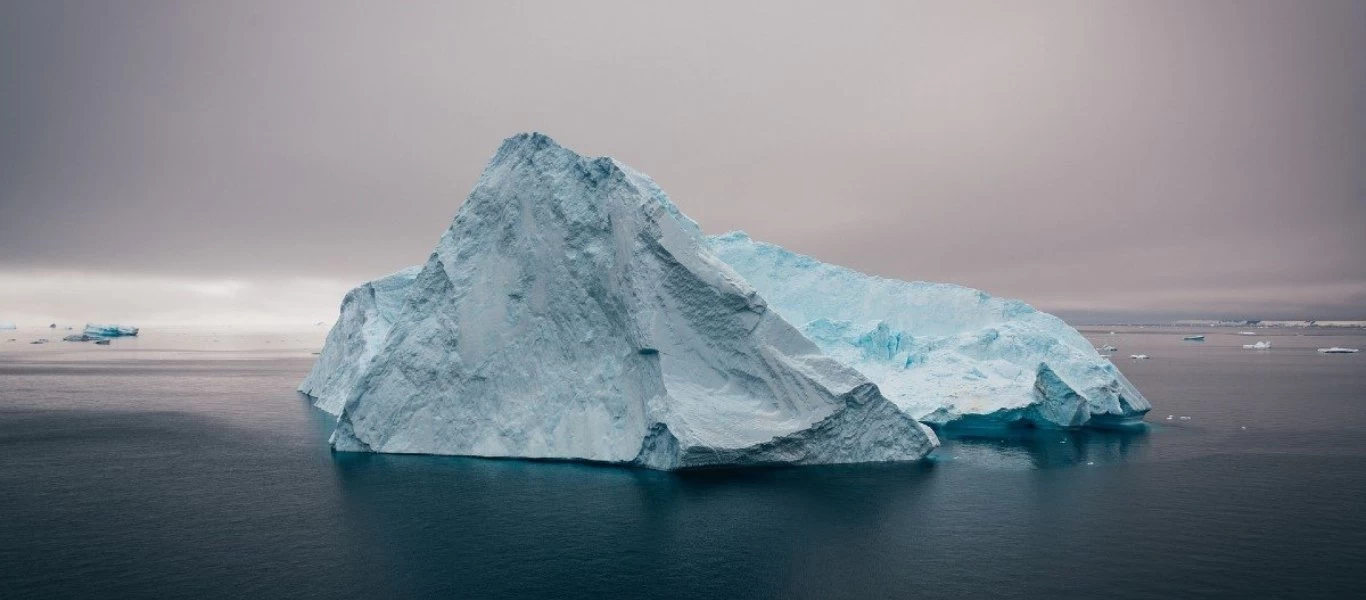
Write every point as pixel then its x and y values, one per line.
pixel 367 313
pixel 572 312
pixel 943 353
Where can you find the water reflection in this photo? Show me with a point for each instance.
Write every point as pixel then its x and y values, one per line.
pixel 1040 448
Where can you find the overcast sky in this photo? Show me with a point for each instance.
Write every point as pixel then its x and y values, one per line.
pixel 244 161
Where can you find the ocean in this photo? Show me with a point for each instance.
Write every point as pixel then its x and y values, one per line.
pixel 182 464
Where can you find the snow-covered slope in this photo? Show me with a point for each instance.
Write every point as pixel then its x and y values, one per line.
pixel 943 353
pixel 571 311
pixel 367 313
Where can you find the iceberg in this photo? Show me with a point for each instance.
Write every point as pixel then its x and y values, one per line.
pixel 1261 345
pixel 8 326
pixel 571 311
pixel 367 312
pixel 110 330
pixel 945 354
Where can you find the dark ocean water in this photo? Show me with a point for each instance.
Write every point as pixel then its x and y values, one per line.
pixel 177 466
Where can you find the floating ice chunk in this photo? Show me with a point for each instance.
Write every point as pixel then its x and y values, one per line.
pixel 1247 333
pixel 1339 350
pixel 110 330
pixel 945 354
pixel 80 337
pixel 571 311
pixel 102 342
pixel 1261 345
pixel 1108 348
pixel 1139 356
pixel 1193 338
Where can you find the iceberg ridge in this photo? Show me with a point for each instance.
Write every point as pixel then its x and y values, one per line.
pixel 945 354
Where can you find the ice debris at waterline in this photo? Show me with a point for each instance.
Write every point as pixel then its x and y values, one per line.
pixel 945 354
pixel 1262 345
pixel 110 330
pixel 572 312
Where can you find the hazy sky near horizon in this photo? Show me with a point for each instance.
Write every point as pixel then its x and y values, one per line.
pixel 249 161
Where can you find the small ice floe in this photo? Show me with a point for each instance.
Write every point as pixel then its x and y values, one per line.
pixel 1139 356
pixel 1112 333
pixel 8 326
pixel 80 337
pixel 1261 345
pixel 1193 338
pixel 39 341
pixel 1090 463
pixel 1185 418
pixel 102 342
pixel 1169 417
pixel 1108 348
pixel 1245 427
pixel 1247 333
pixel 1339 350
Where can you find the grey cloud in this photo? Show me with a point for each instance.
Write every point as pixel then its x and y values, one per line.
pixel 1094 157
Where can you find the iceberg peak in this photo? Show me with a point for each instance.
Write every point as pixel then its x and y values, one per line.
pixel 571 311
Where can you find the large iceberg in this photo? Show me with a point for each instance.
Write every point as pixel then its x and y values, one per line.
pixel 572 312
pixel 945 354
pixel 110 330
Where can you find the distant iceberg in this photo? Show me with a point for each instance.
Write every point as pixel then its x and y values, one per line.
pixel 7 325
pixel 110 330
pixel 571 311
pixel 943 353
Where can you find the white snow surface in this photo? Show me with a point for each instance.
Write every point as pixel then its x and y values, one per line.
pixel 945 354
pixel 572 312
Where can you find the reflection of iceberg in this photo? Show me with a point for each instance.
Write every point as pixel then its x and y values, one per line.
pixel 1262 345
pixel 110 330
pixel 1015 449
pixel 945 354
pixel 1339 350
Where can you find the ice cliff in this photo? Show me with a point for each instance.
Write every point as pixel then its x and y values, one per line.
pixel 572 312
pixel 367 313
pixel 943 353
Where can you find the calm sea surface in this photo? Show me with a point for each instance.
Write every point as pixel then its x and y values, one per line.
pixel 182 464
